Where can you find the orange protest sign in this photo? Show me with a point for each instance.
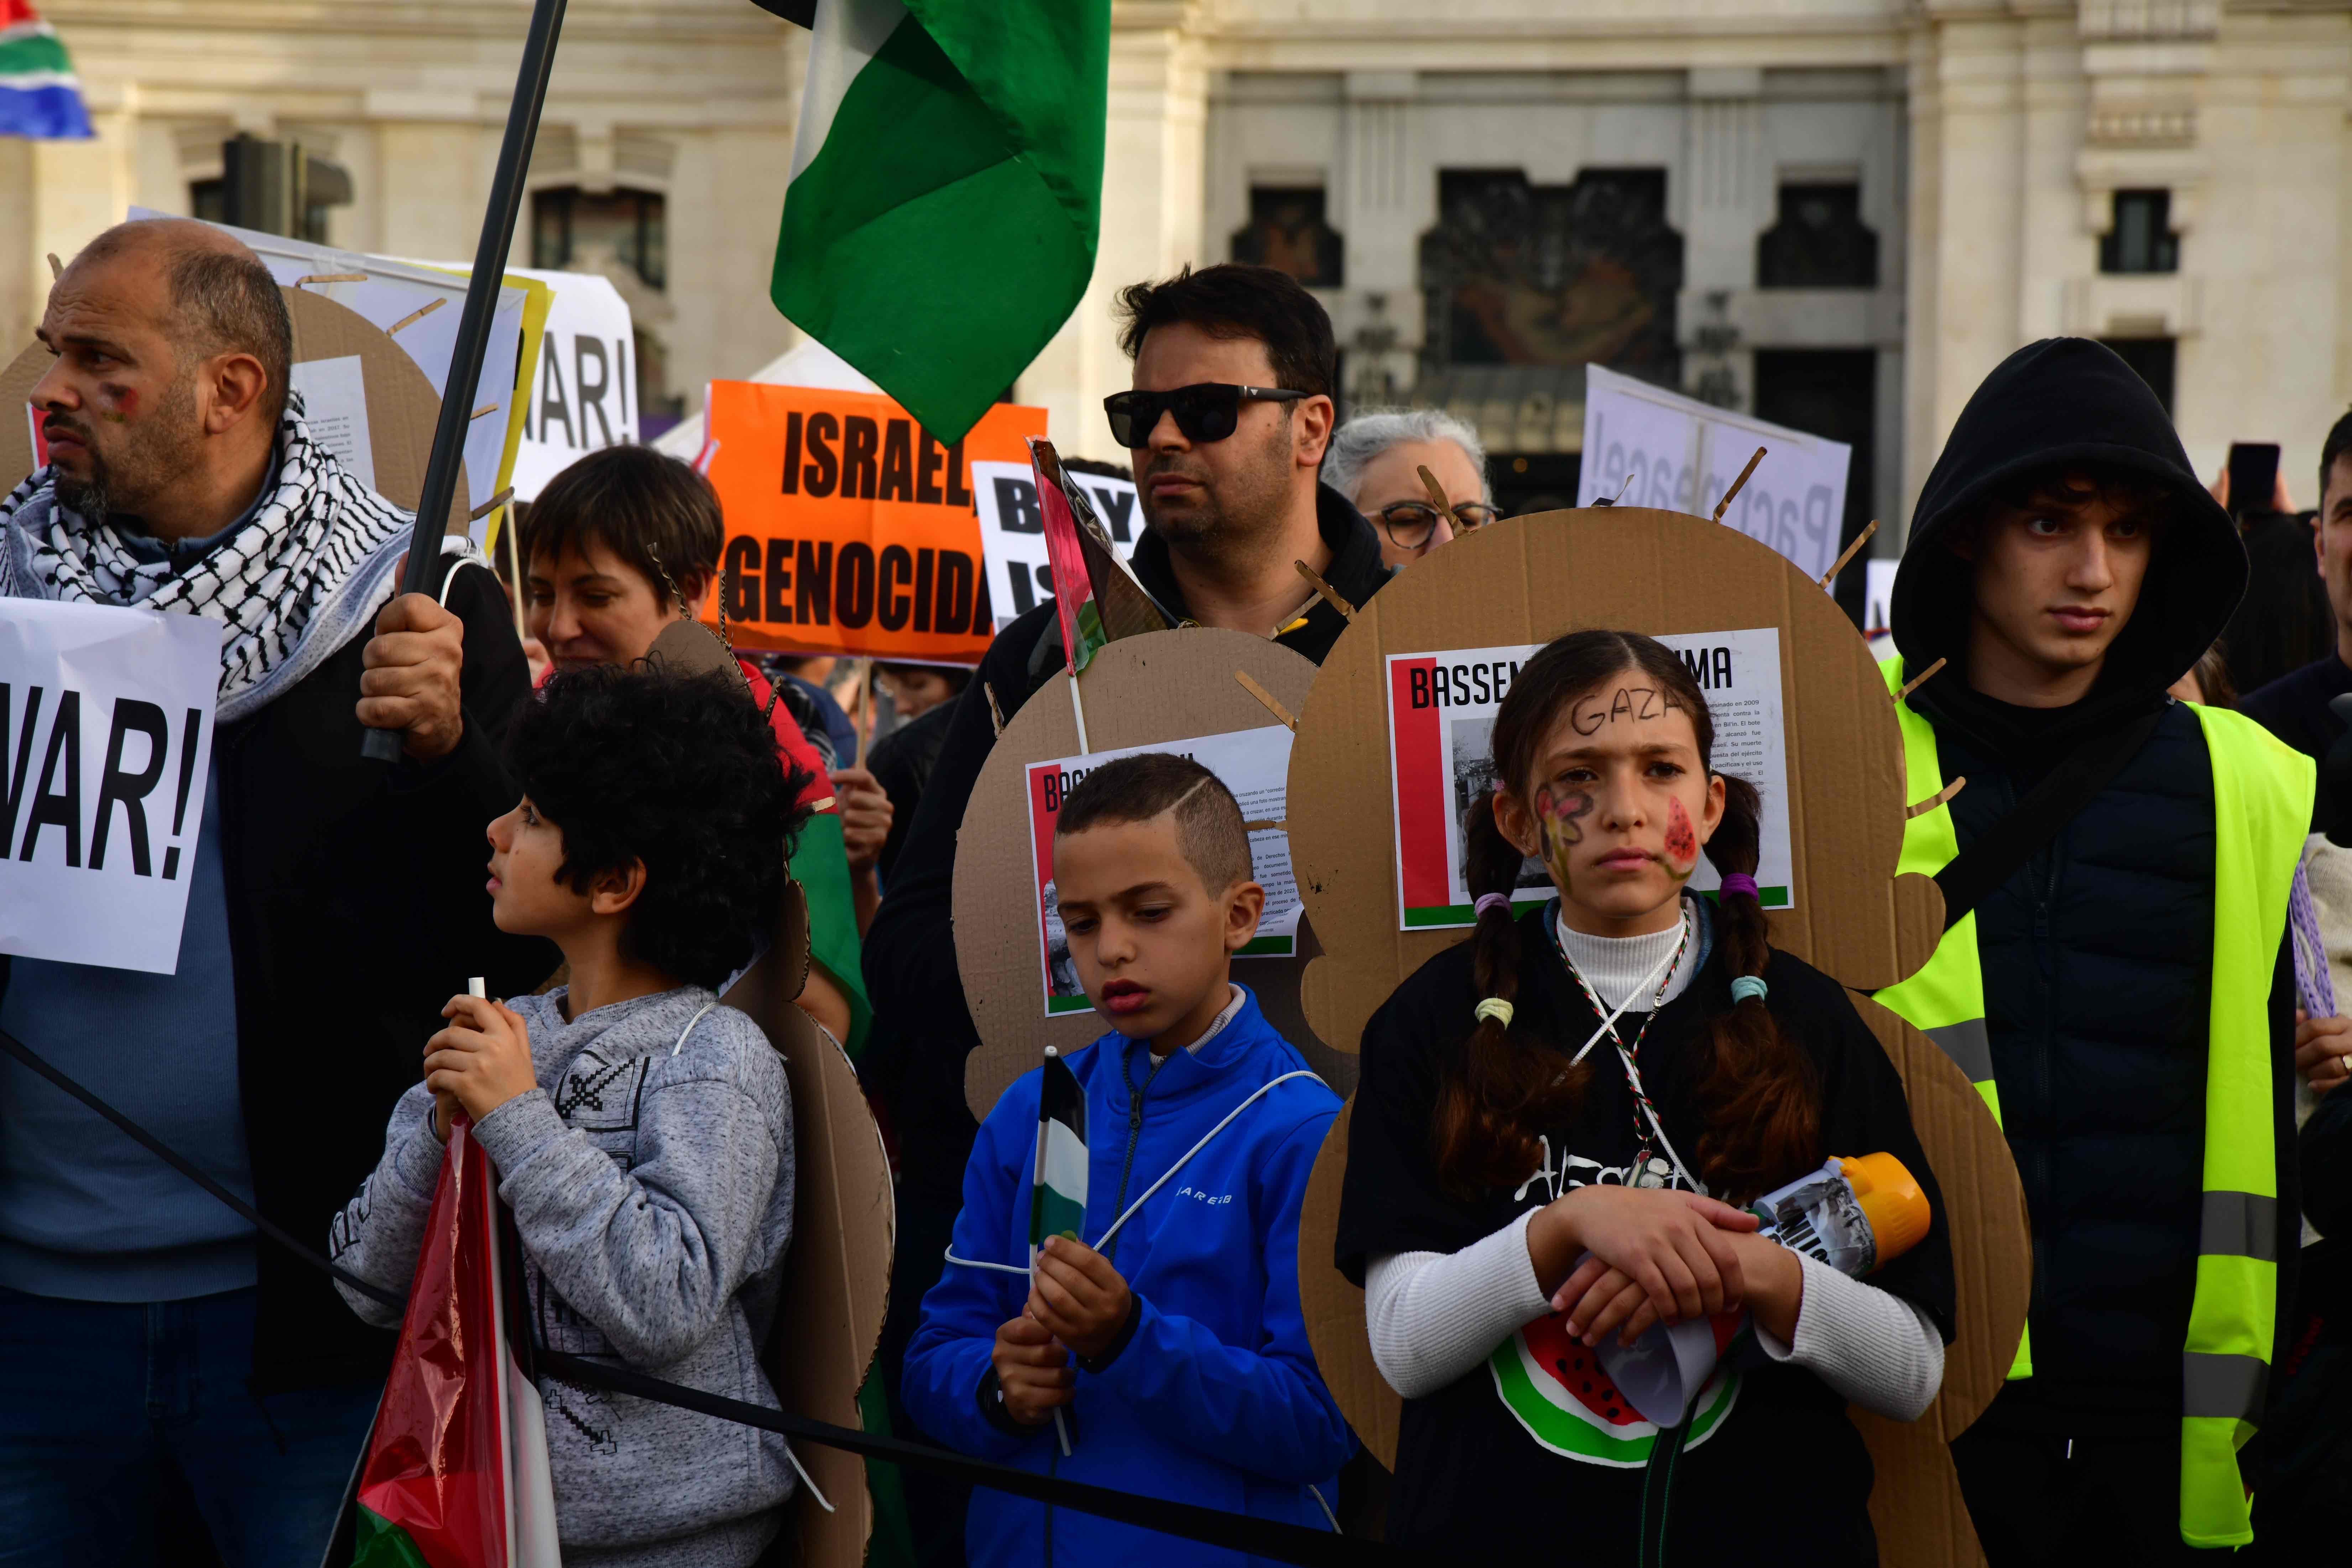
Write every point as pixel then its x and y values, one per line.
pixel 849 528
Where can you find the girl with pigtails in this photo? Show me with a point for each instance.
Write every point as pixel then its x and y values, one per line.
pixel 1558 1122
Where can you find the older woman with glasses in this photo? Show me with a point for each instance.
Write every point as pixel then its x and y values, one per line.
pixel 1375 461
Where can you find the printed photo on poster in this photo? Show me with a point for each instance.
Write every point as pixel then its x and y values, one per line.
pixel 1441 708
pixel 1013 532
pixel 1253 763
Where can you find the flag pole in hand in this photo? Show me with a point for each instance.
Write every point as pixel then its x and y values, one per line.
pixel 474 322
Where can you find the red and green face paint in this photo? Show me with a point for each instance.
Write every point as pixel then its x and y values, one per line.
pixel 1682 842
pixel 1561 817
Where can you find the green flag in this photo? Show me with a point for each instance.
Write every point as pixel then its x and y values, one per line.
pixel 1057 1195
pixel 946 191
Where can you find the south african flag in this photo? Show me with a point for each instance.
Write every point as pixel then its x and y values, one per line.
pixel 40 97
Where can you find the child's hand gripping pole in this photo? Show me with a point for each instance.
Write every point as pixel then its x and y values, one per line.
pixel 1856 1214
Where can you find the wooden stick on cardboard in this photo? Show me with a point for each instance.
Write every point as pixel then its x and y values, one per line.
pixel 1724 504
pixel 485 409
pixel 491 505
pixel 1935 800
pixel 1847 554
pixel 995 713
pixel 1273 704
pixel 1918 680
pixel 415 316
pixel 1612 501
pixel 56 267
pixel 1330 594
pixel 1436 491
pixel 331 278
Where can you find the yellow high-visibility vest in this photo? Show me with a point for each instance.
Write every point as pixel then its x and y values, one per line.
pixel 2262 811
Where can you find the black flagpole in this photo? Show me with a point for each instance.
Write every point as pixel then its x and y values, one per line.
pixel 473 322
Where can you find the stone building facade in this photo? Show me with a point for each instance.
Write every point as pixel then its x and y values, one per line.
pixel 1836 213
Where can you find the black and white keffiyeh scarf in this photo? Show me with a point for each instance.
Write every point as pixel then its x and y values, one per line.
pixel 310 565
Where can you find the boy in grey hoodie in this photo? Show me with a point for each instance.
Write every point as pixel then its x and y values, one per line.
pixel 642 1133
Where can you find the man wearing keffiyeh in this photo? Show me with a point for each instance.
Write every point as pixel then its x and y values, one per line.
pixel 333 906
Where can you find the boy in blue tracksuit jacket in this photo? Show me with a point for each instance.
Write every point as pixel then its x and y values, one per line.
pixel 1176 1354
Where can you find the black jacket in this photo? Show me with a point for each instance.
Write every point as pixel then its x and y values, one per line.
pixel 2097 954
pixel 902 762
pixel 922 1030
pixel 356 910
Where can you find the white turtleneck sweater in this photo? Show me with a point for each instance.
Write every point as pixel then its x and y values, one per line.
pixel 1434 1316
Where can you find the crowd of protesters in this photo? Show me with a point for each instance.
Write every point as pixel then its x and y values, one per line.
pixel 2140 689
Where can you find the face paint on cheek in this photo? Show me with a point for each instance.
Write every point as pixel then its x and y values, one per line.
pixel 1561 818
pixel 1682 842
pixel 122 403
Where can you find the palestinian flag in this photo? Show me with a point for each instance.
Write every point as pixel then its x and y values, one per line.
pixel 40 96
pixel 1095 593
pixel 946 189
pixel 1057 1193
pixel 456 1471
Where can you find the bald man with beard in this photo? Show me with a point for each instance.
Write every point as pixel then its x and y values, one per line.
pixel 333 905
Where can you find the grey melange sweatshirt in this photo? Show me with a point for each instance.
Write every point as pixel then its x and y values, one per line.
pixel 651 1184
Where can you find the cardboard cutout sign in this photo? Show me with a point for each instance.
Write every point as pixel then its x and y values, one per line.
pixel 396 410
pixel 849 528
pixel 1665 573
pixel 845 1222
pixel 1139 692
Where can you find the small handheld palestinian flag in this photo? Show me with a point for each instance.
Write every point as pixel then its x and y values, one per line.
pixel 1097 594
pixel 1057 1193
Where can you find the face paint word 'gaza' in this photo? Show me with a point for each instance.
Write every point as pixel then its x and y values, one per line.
pixel 1682 841
pixel 1633 704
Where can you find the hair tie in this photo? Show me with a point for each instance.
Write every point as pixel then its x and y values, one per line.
pixel 1499 901
pixel 1745 986
pixel 1495 1006
pixel 1738 885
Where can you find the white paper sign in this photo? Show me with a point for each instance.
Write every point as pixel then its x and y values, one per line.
pixel 1644 446
pixel 1441 708
pixel 584 391
pixel 1878 599
pixel 1253 763
pixel 334 404
pixel 1012 536
pixel 106 723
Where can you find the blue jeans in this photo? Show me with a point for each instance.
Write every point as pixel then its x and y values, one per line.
pixel 96 1398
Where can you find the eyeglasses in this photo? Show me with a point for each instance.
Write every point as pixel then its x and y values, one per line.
pixel 1411 524
pixel 1206 411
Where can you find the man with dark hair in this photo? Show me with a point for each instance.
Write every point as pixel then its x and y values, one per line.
pixel 2113 976
pixel 1226 424
pixel 2294 707
pixel 332 905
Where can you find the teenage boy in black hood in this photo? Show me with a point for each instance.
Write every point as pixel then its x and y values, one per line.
pixel 2121 996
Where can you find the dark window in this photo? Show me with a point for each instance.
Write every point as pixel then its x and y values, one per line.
pixel 1832 393
pixel 1516 273
pixel 1287 232
pixel 326 185
pixel 2153 359
pixel 2141 238
pixel 1820 241
pixel 570 226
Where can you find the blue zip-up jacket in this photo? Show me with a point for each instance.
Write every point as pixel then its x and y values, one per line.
pixel 1215 1398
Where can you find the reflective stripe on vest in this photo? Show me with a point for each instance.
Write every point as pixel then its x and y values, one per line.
pixel 2262 810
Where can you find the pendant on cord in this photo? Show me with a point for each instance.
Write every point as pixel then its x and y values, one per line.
pixel 1649 1170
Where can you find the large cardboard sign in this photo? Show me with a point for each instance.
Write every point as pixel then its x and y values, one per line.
pixel 844 1220
pixel 1442 710
pixel 850 529
pixel 1155 691
pixel 1253 763
pixel 1668 576
pixel 376 400
pixel 106 734
pixel 1646 447
pixel 1012 531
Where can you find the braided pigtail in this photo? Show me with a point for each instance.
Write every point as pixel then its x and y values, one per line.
pixel 1503 1086
pixel 1755 1087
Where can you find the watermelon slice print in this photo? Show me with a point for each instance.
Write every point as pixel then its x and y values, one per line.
pixel 1557 1390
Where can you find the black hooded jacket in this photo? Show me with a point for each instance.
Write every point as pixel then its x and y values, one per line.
pixel 2097 954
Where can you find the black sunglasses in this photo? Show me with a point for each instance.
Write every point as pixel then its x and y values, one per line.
pixel 1206 411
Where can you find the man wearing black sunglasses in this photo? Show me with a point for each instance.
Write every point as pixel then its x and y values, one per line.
pixel 1226 426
